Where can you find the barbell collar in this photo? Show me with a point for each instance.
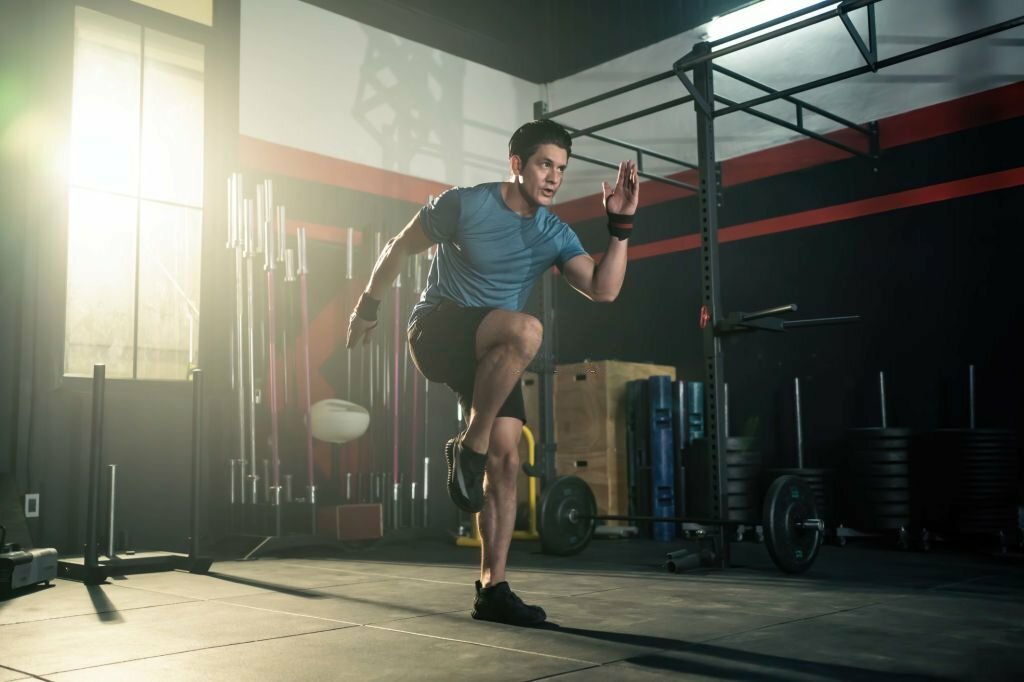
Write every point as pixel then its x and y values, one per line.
pixel 811 524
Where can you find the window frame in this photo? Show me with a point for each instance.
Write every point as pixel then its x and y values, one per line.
pixel 207 36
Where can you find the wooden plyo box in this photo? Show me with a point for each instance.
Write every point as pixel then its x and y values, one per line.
pixel 590 426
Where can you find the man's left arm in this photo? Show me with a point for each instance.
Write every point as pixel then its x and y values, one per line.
pixel 602 282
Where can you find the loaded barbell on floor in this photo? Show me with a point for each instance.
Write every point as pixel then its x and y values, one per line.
pixel 792 527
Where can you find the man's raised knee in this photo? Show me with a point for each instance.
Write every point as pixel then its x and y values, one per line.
pixel 528 334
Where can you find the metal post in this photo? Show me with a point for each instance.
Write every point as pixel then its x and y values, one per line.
pixel 238 238
pixel 251 244
pixel 197 457
pixel 725 409
pixel 110 511
pixel 881 396
pixel 547 447
pixel 799 425
pixel 269 266
pixel 95 455
pixel 426 491
pixel 349 262
pixel 306 392
pixel 970 394
pixel 707 197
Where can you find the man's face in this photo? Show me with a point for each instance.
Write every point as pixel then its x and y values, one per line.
pixel 542 175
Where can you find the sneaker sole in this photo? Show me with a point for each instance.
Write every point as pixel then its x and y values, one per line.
pixel 460 500
pixel 522 623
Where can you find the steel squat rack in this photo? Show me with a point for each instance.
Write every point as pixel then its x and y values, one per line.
pixel 695 71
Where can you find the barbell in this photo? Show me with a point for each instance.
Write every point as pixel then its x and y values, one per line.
pixel 792 528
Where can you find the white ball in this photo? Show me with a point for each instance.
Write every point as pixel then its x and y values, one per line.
pixel 338 421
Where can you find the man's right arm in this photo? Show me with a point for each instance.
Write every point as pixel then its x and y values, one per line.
pixel 410 241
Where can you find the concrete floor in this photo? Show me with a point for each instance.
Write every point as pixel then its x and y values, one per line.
pixel 400 611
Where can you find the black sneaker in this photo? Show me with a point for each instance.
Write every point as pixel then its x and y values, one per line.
pixel 465 475
pixel 500 604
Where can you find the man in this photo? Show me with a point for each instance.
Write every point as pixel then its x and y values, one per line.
pixel 467 330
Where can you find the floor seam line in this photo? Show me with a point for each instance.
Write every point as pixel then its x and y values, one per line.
pixel 96 613
pixel 789 622
pixel 483 644
pixel 23 672
pixel 189 651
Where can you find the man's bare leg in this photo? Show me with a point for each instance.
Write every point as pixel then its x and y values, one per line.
pixel 495 600
pixel 505 344
pixel 498 518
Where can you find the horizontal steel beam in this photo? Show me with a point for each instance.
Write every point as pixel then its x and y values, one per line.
pixel 798 129
pixel 793 100
pixel 643 150
pixel 656 178
pixel 608 95
pixel 632 117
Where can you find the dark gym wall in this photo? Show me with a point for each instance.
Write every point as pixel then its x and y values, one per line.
pixel 936 285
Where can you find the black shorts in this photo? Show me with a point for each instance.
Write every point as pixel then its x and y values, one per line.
pixel 442 343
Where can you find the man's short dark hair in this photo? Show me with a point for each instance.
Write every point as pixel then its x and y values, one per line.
pixel 524 142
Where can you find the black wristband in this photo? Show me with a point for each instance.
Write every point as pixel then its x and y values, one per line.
pixel 366 308
pixel 620 226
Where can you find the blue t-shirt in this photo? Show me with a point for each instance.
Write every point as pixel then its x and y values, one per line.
pixel 488 255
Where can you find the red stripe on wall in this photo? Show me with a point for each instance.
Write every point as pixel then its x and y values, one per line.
pixel 945 191
pixel 298 163
pixel 972 111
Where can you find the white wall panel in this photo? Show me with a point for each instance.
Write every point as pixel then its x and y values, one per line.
pixel 314 80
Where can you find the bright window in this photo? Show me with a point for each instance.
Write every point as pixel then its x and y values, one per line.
pixel 135 201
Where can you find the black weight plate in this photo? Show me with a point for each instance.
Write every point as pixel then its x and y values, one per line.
pixel 871 432
pixel 879 446
pixel 993 495
pixel 743 473
pixel 975 433
pixel 816 478
pixel 986 477
pixel 879 456
pixel 881 483
pixel 883 496
pixel 743 486
pixel 740 444
pixel 789 501
pixel 742 501
pixel 742 458
pixel 989 463
pixel 880 469
pixel 997 479
pixel 560 532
